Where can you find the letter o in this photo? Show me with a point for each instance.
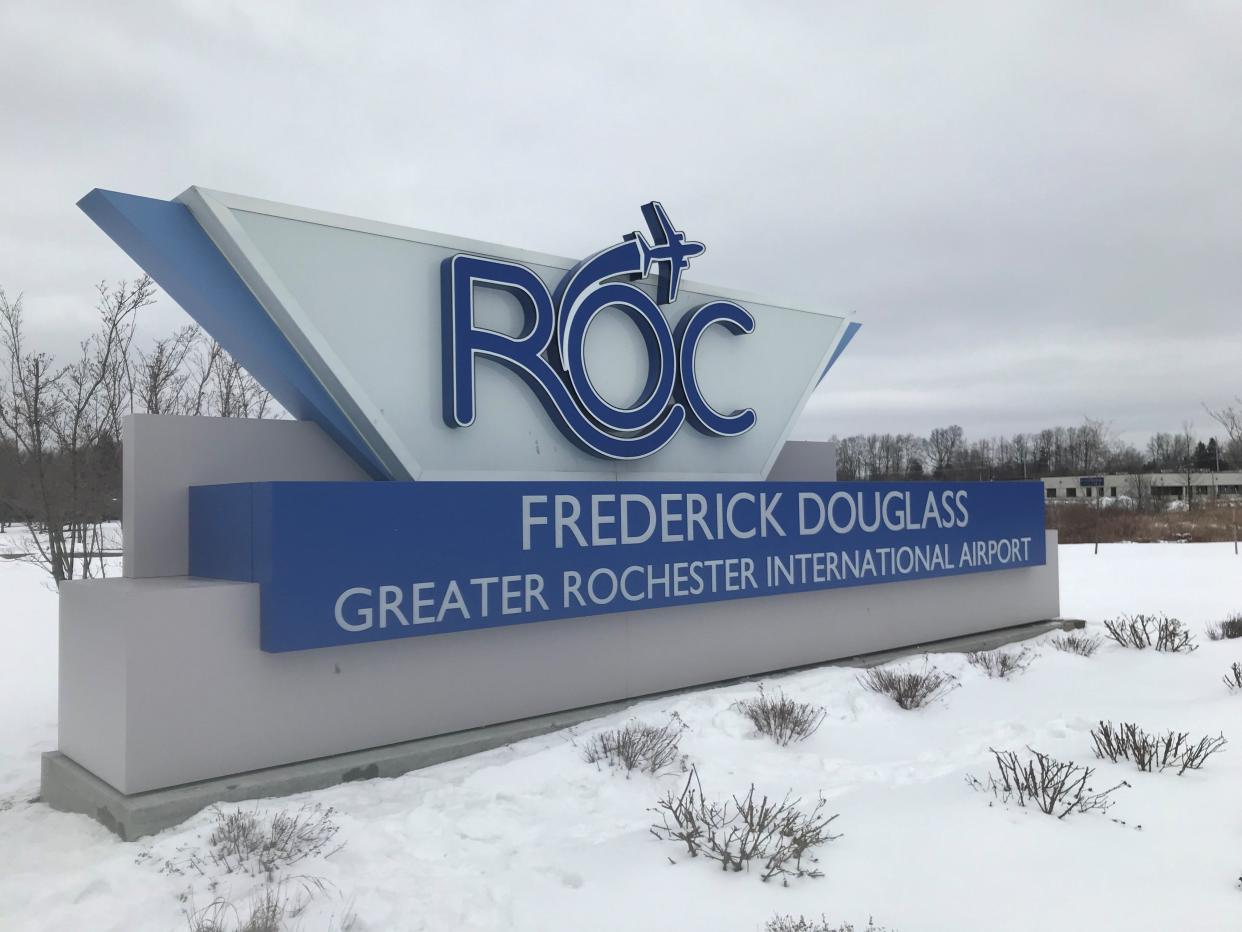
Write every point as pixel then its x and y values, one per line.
pixel 612 591
pixel 832 512
pixel 661 357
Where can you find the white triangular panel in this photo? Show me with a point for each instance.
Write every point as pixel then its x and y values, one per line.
pixel 360 303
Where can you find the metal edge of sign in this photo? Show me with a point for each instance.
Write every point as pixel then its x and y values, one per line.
pixel 286 313
pixel 851 330
pixel 168 243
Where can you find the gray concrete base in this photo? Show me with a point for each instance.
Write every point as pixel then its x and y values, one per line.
pixel 69 787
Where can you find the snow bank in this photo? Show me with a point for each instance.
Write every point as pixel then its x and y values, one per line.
pixel 530 837
pixel 27 676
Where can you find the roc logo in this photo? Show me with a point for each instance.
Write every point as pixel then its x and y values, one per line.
pixel 550 352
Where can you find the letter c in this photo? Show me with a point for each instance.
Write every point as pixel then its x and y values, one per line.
pixel 737 320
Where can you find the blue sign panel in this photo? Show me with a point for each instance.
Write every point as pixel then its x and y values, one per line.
pixel 345 563
pixel 1091 481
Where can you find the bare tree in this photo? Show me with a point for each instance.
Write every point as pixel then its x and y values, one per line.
pixel 1095 442
pixel 943 444
pixel 238 394
pixel 187 373
pixel 1230 418
pixel 1186 443
pixel 161 379
pixel 1161 450
pixel 64 422
pixel 217 385
pixel 1138 487
pixel 849 458
pixel 60 425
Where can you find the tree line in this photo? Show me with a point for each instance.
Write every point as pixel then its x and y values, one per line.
pixel 1091 447
pixel 60 421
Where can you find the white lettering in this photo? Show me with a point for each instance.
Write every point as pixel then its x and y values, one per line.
pixel 733 528
pixel 766 517
pixel 627 537
pixel 567 512
pixel 529 519
pixel 599 520
pixel 390 603
pixel 363 613
pixel 668 502
pixel 453 601
pixel 804 499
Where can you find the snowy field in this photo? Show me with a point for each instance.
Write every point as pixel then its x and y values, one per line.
pixel 531 837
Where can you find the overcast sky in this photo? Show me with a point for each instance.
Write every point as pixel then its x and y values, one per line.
pixel 1034 209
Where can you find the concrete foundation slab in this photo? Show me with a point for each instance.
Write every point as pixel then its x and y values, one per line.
pixel 70 787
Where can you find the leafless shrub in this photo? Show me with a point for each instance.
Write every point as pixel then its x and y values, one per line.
pixel 260 844
pixel 1079 644
pixel 1148 521
pixel 1054 787
pixel 1195 756
pixel 256 844
pixel 655 749
pixel 910 689
pixel 1158 631
pixel 1000 664
pixel 272 910
pixel 803 924
pixel 1225 630
pixel 782 719
pixel 1153 752
pixel 775 836
pixel 1233 679
pixel 266 913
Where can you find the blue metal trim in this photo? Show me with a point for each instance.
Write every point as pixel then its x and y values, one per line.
pixel 850 330
pixel 165 240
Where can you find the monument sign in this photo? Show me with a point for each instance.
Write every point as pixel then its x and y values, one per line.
pixel 514 486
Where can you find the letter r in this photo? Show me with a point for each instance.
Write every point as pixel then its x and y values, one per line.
pixel 462 341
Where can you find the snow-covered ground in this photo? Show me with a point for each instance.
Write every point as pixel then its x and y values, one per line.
pixel 530 837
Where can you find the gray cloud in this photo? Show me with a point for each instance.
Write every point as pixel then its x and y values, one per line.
pixel 1035 209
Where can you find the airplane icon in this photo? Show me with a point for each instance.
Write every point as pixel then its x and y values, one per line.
pixel 671 250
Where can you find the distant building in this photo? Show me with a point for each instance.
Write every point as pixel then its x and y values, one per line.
pixel 1161 485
